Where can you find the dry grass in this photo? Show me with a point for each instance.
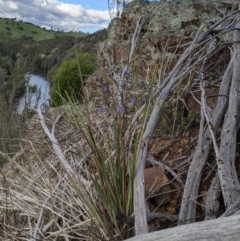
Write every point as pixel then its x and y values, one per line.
pixel 35 186
pixel 40 200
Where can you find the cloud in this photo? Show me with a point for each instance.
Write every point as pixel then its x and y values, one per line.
pixel 53 13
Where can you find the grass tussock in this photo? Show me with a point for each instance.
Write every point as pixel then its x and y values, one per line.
pixel 92 197
pixel 40 199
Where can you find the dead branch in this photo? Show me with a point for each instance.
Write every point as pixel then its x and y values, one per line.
pixel 221 229
pixel 139 190
pixel 212 199
pixel 54 141
pixel 188 205
pixel 228 175
pixel 179 71
pixel 57 148
pixel 226 165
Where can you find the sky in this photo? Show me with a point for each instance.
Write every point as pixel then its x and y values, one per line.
pixel 67 15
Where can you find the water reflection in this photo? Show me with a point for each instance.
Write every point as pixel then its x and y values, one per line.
pixel 37 91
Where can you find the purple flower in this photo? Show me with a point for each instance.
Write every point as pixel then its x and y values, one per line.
pixel 104 88
pixel 120 110
pixel 101 110
pixel 126 73
pixel 133 100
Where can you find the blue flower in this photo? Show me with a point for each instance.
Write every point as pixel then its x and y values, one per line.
pixel 101 110
pixel 126 73
pixel 104 88
pixel 120 110
pixel 133 100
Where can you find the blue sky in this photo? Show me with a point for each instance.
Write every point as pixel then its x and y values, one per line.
pixel 67 15
pixel 94 4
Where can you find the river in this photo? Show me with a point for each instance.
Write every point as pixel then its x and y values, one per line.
pixel 37 92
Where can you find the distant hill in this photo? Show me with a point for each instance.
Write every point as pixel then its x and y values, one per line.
pixel 11 29
pixel 42 50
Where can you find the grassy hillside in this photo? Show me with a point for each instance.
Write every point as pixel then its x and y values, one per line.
pixel 13 30
pixel 43 50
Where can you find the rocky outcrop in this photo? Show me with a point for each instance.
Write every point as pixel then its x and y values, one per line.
pixel 166 29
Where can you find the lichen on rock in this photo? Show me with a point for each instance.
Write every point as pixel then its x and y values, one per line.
pixel 167 26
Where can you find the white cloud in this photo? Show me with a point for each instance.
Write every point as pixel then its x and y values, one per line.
pixel 53 13
pixel 13 6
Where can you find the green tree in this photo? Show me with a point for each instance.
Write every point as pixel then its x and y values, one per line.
pixel 70 78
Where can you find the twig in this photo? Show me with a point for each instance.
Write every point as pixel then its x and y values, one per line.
pixel 54 141
pixel 206 115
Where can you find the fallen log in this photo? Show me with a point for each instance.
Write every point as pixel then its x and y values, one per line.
pixel 221 229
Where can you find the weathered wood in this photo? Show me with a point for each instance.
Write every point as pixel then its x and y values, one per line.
pixel 226 165
pixel 221 229
pixel 191 55
pixel 234 209
pixel 141 225
pixel 187 212
pixel 213 199
pixel 226 155
pixel 180 70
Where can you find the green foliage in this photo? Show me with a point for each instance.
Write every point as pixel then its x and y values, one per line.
pixel 45 49
pixel 30 31
pixel 70 77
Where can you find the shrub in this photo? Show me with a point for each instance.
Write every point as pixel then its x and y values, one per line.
pixel 20 28
pixel 70 77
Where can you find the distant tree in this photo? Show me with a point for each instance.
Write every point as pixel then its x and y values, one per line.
pixel 21 28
